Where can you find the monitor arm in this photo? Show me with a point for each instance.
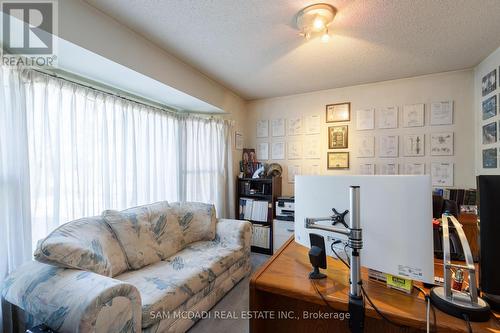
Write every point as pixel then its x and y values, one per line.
pixel 355 242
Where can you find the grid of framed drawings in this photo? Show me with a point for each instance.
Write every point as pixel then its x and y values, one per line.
pixel 490 117
pixel 402 140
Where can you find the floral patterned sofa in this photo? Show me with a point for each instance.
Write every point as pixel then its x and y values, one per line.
pixel 151 268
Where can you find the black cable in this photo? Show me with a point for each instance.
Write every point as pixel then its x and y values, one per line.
pixel 466 318
pixel 380 313
pixel 340 258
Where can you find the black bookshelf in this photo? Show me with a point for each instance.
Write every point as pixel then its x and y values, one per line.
pixel 262 189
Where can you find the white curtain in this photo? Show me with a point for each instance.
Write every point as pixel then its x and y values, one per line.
pixel 206 163
pixel 15 222
pixel 91 151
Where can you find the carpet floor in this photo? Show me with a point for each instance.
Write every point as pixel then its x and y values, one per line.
pixel 237 300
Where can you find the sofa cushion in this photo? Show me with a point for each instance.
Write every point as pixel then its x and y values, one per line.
pixel 87 244
pixel 167 284
pixel 196 220
pixel 137 229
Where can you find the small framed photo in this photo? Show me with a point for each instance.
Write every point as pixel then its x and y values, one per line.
pixel 338 160
pixel 490 107
pixel 490 159
pixel 338 112
pixel 490 133
pixel 489 82
pixel 337 137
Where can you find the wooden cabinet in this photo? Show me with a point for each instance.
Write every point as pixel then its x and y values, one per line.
pixel 261 189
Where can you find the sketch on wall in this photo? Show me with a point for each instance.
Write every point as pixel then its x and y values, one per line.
pixel 366 146
pixel 388 117
pixel 278 127
pixel 442 174
pixel 415 168
pixel 294 170
pixel 278 151
pixel 262 128
pixel 389 146
pixel 365 119
pixel 263 151
pixel 442 144
pixel 414 115
pixel 442 113
pixel 295 126
pixel 389 169
pixel 313 124
pixel 294 150
pixel 367 169
pixel 312 147
pixel 312 169
pixel 414 145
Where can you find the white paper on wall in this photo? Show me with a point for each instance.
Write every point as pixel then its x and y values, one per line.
pixel 263 151
pixel 365 119
pixel 313 124
pixel 312 147
pixel 312 168
pixel 295 126
pixel 294 170
pixel 389 169
pixel 262 128
pixel 294 150
pixel 389 146
pixel 442 174
pixel 414 115
pixel 367 169
pixel 366 146
pixel 442 144
pixel 415 168
pixel 278 151
pixel 442 113
pixel 278 127
pixel 388 117
pixel 414 145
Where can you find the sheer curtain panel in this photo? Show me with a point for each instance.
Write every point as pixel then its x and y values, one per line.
pixel 15 222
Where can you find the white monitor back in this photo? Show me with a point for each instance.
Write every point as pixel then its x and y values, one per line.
pixel 395 215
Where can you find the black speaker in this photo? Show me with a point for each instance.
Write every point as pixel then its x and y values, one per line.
pixel 489 214
pixel 317 256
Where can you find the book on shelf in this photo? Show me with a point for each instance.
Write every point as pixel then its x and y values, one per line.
pixel 261 236
pixel 253 210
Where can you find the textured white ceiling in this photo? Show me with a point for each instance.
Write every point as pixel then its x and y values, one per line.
pixel 252 46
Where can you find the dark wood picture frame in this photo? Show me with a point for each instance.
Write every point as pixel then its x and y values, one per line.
pixel 338 137
pixel 331 167
pixel 330 110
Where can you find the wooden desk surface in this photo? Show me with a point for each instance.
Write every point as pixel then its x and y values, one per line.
pixel 286 274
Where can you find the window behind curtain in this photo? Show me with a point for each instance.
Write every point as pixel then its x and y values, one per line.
pixel 90 151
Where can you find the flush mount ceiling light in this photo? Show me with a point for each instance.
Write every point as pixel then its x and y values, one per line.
pixel 315 19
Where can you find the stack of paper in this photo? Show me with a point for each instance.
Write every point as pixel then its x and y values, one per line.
pixel 253 210
pixel 261 236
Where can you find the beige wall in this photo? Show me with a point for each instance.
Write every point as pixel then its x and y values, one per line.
pixel 456 86
pixel 486 66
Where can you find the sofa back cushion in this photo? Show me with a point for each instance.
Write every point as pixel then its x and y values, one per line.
pixel 138 230
pixel 87 244
pixel 196 221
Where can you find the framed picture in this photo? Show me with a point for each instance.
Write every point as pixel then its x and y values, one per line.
pixel 389 169
pixel 413 115
pixel 365 119
pixel 337 160
pixel 367 169
pixel 442 113
pixel 490 159
pixel 442 144
pixel 366 146
pixel 489 82
pixel 490 133
pixel 338 112
pixel 389 146
pixel 388 117
pixel 337 137
pixel 414 145
pixel 490 107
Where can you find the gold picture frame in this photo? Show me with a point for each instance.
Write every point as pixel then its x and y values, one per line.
pixel 338 112
pixel 338 160
pixel 338 137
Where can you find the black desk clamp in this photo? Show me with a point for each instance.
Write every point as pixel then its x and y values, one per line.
pixel 355 243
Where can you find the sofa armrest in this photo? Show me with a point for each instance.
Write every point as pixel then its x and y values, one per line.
pixel 69 300
pixel 234 233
